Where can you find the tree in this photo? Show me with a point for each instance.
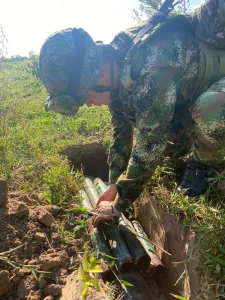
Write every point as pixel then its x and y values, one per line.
pixel 149 7
pixel 3 42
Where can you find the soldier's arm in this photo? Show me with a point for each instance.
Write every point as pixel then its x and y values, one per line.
pixel 121 145
pixel 153 122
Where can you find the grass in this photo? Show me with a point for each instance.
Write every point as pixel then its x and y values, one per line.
pixel 31 140
pixel 205 216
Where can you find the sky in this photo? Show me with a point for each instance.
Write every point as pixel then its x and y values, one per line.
pixel 27 23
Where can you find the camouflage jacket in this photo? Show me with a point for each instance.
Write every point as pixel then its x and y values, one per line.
pixel 158 78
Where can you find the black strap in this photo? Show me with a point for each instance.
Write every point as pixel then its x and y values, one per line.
pixel 76 66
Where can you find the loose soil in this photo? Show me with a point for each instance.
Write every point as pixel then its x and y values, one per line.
pixel 30 230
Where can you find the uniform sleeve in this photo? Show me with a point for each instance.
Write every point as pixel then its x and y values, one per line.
pixel 121 146
pixel 154 99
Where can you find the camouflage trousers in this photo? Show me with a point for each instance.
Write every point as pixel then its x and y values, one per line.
pixel 208 134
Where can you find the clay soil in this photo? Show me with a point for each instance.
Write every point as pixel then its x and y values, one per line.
pixel 30 239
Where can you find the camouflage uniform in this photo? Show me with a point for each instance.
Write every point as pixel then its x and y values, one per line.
pixel 160 83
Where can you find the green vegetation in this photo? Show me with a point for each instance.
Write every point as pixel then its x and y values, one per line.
pixel 205 216
pixel 31 138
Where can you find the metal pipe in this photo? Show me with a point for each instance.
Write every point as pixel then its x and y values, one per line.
pixel 156 265
pixel 116 242
pixel 139 254
pixel 85 202
pixel 91 192
pixel 118 247
pixel 100 244
pixel 100 186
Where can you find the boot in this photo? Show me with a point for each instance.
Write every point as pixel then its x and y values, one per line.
pixel 195 178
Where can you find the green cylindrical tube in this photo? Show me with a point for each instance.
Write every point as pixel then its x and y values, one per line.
pixel 116 242
pixel 118 247
pixel 85 200
pixel 91 192
pixel 98 240
pixel 143 238
pixel 100 244
pixel 100 186
pixel 139 254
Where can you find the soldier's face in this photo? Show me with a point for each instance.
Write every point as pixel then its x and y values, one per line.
pixel 95 98
pixel 99 98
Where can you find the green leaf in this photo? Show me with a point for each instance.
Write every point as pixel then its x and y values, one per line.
pixel 218 268
pixel 222 250
pixel 108 256
pixel 85 263
pixel 218 260
pixel 81 274
pixel 93 262
pixel 178 297
pixel 126 283
pixel 84 293
pixel 112 264
pixel 96 269
pixel 93 282
pixel 83 290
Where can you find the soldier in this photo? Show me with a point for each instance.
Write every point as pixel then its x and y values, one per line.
pixel 150 78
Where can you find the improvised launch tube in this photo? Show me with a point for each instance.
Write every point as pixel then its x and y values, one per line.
pixel 100 244
pixel 118 247
pixel 138 252
pixel 156 263
pixel 85 202
pixel 91 192
pixel 100 186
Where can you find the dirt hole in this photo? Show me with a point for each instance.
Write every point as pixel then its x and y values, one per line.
pixel 92 158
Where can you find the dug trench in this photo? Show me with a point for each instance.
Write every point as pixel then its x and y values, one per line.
pixel 174 243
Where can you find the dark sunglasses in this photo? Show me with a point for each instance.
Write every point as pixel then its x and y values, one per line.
pixel 100 88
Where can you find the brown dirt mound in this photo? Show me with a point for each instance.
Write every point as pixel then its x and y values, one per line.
pixel 32 230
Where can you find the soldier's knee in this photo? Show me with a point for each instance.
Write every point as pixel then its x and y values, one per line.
pixel 209 106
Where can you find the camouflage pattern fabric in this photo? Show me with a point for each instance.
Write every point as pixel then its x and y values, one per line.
pixel 208 113
pixel 209 21
pixel 158 80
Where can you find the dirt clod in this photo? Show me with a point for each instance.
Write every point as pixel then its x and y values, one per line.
pixel 42 282
pixel 45 217
pixel 40 236
pixel 53 209
pixel 25 286
pixel 28 200
pixel 5 284
pixel 53 289
pixel 34 295
pixel 48 262
pixel 3 191
pixel 21 210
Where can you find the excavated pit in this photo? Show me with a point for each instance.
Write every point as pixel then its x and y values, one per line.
pixel 91 158
pixel 164 230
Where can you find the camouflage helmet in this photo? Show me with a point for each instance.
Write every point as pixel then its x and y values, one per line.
pixel 69 65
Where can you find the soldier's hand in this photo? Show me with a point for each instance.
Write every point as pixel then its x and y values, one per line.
pixel 109 195
pixel 104 211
